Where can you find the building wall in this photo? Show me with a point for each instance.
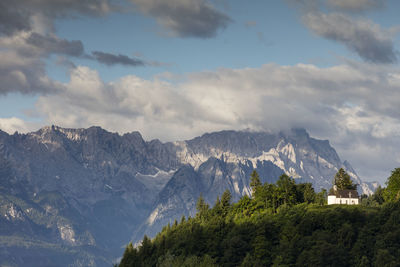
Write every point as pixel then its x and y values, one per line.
pixel 346 201
pixel 331 200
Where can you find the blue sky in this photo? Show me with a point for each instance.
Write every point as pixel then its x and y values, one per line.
pixel 176 69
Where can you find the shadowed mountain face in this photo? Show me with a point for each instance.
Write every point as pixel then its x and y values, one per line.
pixel 77 196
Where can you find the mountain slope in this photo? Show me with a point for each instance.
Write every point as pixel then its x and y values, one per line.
pixel 91 175
pixel 89 187
pixel 224 160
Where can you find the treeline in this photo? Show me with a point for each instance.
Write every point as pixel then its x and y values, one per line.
pixel 282 224
pixel 388 194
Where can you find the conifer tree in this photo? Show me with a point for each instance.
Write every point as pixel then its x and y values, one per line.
pixel 343 181
pixel 129 257
pixel 226 198
pixel 255 182
pixel 201 206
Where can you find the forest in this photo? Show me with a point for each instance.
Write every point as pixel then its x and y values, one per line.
pixel 281 224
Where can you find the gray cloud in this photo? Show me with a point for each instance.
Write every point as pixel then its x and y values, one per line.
pixel 186 18
pixel 18 15
pixel 27 36
pixel 65 62
pixel 53 8
pixel 53 44
pixel 112 59
pixel 12 18
pixel 22 68
pixel 355 5
pixel 368 40
pixel 26 75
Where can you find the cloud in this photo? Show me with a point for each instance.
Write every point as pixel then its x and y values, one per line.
pixel 53 44
pixel 119 104
pixel 355 5
pixel 185 18
pixel 367 39
pixel 12 19
pixel 20 15
pixel 112 59
pixel 22 68
pixel 13 124
pixel 25 75
pixel 27 37
pixel 353 105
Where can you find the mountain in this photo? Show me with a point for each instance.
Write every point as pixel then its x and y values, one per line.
pixel 77 196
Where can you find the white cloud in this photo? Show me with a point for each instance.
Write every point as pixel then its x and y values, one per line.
pixel 13 124
pixel 353 105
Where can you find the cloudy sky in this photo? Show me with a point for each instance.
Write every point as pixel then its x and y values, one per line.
pixel 174 69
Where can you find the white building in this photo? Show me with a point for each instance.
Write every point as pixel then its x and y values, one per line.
pixel 345 196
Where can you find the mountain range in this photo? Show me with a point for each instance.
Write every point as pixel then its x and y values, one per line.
pixel 76 197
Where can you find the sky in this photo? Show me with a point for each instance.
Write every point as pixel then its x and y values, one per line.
pixel 175 69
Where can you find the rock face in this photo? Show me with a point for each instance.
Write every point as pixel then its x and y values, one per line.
pixel 75 196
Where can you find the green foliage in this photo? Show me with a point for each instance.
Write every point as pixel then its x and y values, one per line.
pixel 378 196
pixel 202 207
pixel 321 197
pixel 255 182
pixel 284 224
pixel 226 199
pixel 286 190
pixel 171 261
pixel 130 256
pixel 392 192
pixel 343 181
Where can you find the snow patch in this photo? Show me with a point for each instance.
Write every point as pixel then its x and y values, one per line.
pixel 288 151
pixel 108 186
pixel 236 187
pixel 67 233
pixel 12 214
pixel 152 217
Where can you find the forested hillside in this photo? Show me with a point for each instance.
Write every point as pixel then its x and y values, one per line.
pixel 283 224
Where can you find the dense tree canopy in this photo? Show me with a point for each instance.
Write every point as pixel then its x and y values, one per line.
pixel 283 224
pixel 392 191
